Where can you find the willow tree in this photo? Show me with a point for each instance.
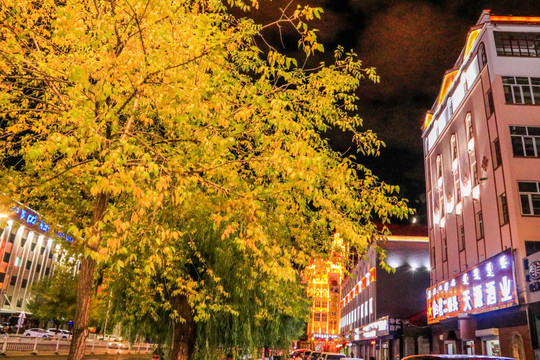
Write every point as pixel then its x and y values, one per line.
pixel 163 136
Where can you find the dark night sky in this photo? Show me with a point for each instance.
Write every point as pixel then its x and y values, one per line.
pixel 411 44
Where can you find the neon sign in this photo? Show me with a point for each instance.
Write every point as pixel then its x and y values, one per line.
pixel 359 287
pixel 29 218
pixel 486 287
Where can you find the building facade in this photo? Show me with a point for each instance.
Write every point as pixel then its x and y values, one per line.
pixel 324 278
pixel 29 251
pixel 482 167
pixel 383 313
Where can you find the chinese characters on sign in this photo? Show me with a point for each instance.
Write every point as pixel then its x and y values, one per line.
pixel 531 265
pixel 488 286
pixel 31 220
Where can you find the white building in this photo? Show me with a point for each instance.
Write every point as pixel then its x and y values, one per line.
pixel 482 167
pixel 383 314
pixel 29 251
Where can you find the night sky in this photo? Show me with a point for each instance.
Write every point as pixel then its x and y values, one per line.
pixel 411 44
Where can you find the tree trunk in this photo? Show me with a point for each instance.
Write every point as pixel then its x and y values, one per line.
pixel 184 333
pixel 80 324
pixel 86 285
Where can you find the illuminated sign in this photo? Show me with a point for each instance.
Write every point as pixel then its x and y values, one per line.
pixel 359 287
pixel 325 336
pixel 372 330
pixel 30 219
pixel 486 287
pixel 531 265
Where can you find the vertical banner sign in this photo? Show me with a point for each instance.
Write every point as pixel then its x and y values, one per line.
pixel 532 277
pixel 487 286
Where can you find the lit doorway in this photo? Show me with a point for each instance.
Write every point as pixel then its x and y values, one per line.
pixel 450 347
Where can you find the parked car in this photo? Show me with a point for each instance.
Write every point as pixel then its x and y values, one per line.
pixel 36 332
pixel 118 345
pixel 455 357
pixel 299 353
pixel 314 355
pixel 331 356
pixel 60 333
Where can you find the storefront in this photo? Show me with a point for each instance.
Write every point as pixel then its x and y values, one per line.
pixel 380 340
pixel 478 312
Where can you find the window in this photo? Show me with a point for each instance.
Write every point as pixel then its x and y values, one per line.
pixel 18 261
pixel 497 158
pixel 42 250
pixel 461 238
pixel 525 140
pixel 2 277
pixel 33 246
pixel 444 246
pixel 453 144
pixel 504 209
pixel 11 238
pixel 38 268
pixel 7 256
pixel 323 317
pixel 517 43
pixel 468 124
pixel 47 271
pixel 490 103
pixel 483 57
pixel 531 247
pixel 28 265
pixel 521 90
pixel 13 280
pixel 479 225
pixel 529 194
pixel 19 302
pixel 317 317
pixel 24 282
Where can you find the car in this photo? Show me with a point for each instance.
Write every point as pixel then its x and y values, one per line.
pixel 455 357
pixel 299 353
pixel 36 332
pixel 313 355
pixel 118 345
pixel 60 333
pixel 331 356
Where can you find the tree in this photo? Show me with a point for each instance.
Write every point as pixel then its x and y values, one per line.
pixel 172 146
pixel 55 297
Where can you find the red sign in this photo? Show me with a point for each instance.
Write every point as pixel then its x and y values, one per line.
pixel 486 287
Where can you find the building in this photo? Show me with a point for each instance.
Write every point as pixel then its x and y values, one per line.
pixel 29 251
pixel 482 167
pixel 324 283
pixel 383 313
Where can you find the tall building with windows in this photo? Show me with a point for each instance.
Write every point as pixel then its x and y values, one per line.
pixel 482 167
pixel 324 282
pixel 383 313
pixel 29 251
